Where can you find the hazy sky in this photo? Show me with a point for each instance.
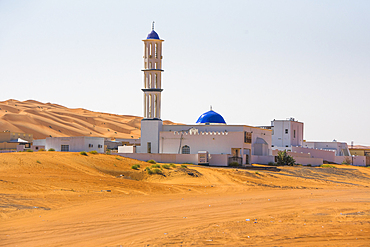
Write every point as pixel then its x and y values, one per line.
pixel 253 61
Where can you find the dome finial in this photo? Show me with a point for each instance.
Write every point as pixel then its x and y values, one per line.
pixel 153 25
pixel 210 107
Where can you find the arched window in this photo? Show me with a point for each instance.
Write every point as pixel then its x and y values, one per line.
pixel 150 81
pixel 156 50
pixel 156 81
pixel 185 149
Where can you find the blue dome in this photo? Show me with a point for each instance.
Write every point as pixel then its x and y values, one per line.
pixel 153 35
pixel 211 117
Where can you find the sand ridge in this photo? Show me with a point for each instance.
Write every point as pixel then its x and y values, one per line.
pixel 46 119
pixel 67 199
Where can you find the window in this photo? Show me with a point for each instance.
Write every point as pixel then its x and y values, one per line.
pixel 100 146
pixel 149 147
pixel 247 137
pixel 64 148
pixel 294 133
pixel 286 131
pixel 185 149
pixel 156 50
pixel 90 145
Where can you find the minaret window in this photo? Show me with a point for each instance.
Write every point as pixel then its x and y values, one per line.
pixel 150 81
pixel 156 50
pixel 150 106
pixel 156 81
pixel 150 50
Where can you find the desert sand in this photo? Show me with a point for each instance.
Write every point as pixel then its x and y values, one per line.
pixel 67 199
pixel 44 120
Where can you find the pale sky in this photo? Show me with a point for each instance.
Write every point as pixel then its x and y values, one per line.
pixel 253 61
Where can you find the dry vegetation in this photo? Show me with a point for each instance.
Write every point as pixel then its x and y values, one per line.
pixel 69 199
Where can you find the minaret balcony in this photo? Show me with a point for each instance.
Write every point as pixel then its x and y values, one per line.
pixel 151 89
pixel 152 70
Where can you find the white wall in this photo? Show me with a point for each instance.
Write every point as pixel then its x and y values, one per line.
pixel 39 142
pixel 218 160
pixel 150 133
pixel 126 149
pixel 215 143
pixel 263 160
pixel 357 160
pixel 316 153
pixel 163 158
pixel 305 161
pixel 76 144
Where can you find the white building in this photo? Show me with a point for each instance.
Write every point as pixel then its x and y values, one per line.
pixel 225 143
pixel 287 133
pixel 75 144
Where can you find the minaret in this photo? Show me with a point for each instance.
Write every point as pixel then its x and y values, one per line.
pixel 152 75
pixel 151 124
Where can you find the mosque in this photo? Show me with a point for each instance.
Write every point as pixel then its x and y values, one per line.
pixel 223 144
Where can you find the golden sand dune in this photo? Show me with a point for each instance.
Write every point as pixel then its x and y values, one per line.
pixel 67 199
pixel 44 120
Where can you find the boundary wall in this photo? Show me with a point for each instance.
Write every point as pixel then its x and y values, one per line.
pixel 357 160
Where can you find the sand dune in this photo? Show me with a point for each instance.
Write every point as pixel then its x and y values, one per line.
pixel 67 199
pixel 43 120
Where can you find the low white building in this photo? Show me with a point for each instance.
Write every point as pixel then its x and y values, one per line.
pixel 75 144
pixel 339 148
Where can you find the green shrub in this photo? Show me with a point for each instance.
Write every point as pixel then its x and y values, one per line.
pixel 155 166
pixel 93 152
pixel 257 173
pixel 83 153
pixel 152 161
pixel 29 150
pixel 327 166
pixel 234 163
pixel 37 161
pixel 166 166
pixel 157 171
pixel 184 166
pixel 271 163
pixel 42 149
pixel 118 158
pixel 297 164
pixel 135 167
pixel 51 149
pixel 150 172
pixel 284 159
pixel 347 161
pixel 309 165
pixel 173 165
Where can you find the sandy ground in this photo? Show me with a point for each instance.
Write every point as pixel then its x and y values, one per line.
pixel 44 120
pixel 67 199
